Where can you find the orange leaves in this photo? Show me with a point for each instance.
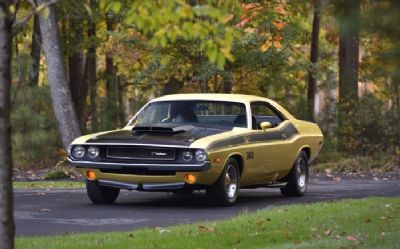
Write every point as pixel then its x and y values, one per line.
pixel 251 6
pixel 276 42
pixel 266 45
pixel 250 10
pixel 279 25
pixel 281 10
pixel 242 22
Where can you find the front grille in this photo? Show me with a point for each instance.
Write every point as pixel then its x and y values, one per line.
pixel 140 153
pixel 139 171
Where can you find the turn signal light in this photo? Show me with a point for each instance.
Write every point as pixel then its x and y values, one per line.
pixel 90 175
pixel 190 179
pixel 217 160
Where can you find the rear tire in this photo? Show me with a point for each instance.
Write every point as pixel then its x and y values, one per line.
pixel 101 194
pixel 297 178
pixel 225 190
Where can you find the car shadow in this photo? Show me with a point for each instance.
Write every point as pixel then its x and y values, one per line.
pixel 246 199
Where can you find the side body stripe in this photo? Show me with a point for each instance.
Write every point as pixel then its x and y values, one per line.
pixel 287 132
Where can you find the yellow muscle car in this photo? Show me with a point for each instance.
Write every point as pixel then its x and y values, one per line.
pixel 214 142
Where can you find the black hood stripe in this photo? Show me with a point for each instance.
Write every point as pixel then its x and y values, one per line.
pixel 288 131
pixel 182 138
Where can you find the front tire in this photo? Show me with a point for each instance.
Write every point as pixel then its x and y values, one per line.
pixel 224 191
pixel 297 178
pixel 101 194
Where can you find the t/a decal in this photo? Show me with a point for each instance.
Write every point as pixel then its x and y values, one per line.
pixel 250 155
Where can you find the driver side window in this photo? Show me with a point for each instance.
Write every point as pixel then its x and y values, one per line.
pixel 263 112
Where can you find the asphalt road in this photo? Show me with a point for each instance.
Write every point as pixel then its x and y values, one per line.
pixel 69 211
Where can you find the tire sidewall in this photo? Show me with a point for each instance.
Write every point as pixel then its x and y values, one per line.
pixel 301 190
pixel 217 192
pixel 234 163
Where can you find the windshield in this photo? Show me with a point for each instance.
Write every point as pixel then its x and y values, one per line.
pixel 194 112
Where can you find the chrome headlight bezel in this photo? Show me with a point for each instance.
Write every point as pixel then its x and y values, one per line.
pixel 78 152
pixel 200 155
pixel 93 152
pixel 187 156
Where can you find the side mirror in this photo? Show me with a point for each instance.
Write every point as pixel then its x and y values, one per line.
pixel 265 125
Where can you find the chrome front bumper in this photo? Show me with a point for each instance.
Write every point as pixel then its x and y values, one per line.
pixel 142 187
pixel 157 167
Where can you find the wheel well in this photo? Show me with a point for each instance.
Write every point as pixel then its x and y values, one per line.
pixel 307 150
pixel 239 161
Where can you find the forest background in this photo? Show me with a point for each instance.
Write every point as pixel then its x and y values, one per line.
pixel 332 62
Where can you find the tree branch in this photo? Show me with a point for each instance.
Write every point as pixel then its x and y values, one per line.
pixel 19 24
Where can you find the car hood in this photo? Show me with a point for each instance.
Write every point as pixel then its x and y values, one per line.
pixel 165 134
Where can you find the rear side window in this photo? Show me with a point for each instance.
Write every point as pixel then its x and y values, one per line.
pixel 264 112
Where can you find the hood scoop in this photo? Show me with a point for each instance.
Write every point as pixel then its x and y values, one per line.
pixel 162 129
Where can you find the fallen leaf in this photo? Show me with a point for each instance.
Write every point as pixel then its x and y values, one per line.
pixel 337 179
pixel 208 229
pixel 163 231
pixel 351 238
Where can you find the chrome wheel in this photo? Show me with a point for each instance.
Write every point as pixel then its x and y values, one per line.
pixel 225 190
pixel 231 181
pixel 297 179
pixel 301 168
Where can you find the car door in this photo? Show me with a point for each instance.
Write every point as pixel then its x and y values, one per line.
pixel 270 148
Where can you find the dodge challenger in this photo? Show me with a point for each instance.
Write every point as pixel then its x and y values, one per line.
pixel 213 142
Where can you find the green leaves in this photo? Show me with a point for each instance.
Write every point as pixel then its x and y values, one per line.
pixel 110 5
pixel 168 22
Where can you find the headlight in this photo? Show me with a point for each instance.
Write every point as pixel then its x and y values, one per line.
pixel 78 151
pixel 93 152
pixel 187 156
pixel 200 155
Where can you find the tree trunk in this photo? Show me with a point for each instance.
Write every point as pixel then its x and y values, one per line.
pixel 57 77
pixel 7 226
pixel 91 70
pixel 228 83
pixel 121 114
pixel 349 19
pixel 172 86
pixel 76 70
pixel 111 84
pixel 35 53
pixel 312 80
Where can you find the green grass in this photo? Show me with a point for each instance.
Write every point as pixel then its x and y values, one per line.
pixel 48 184
pixel 366 223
